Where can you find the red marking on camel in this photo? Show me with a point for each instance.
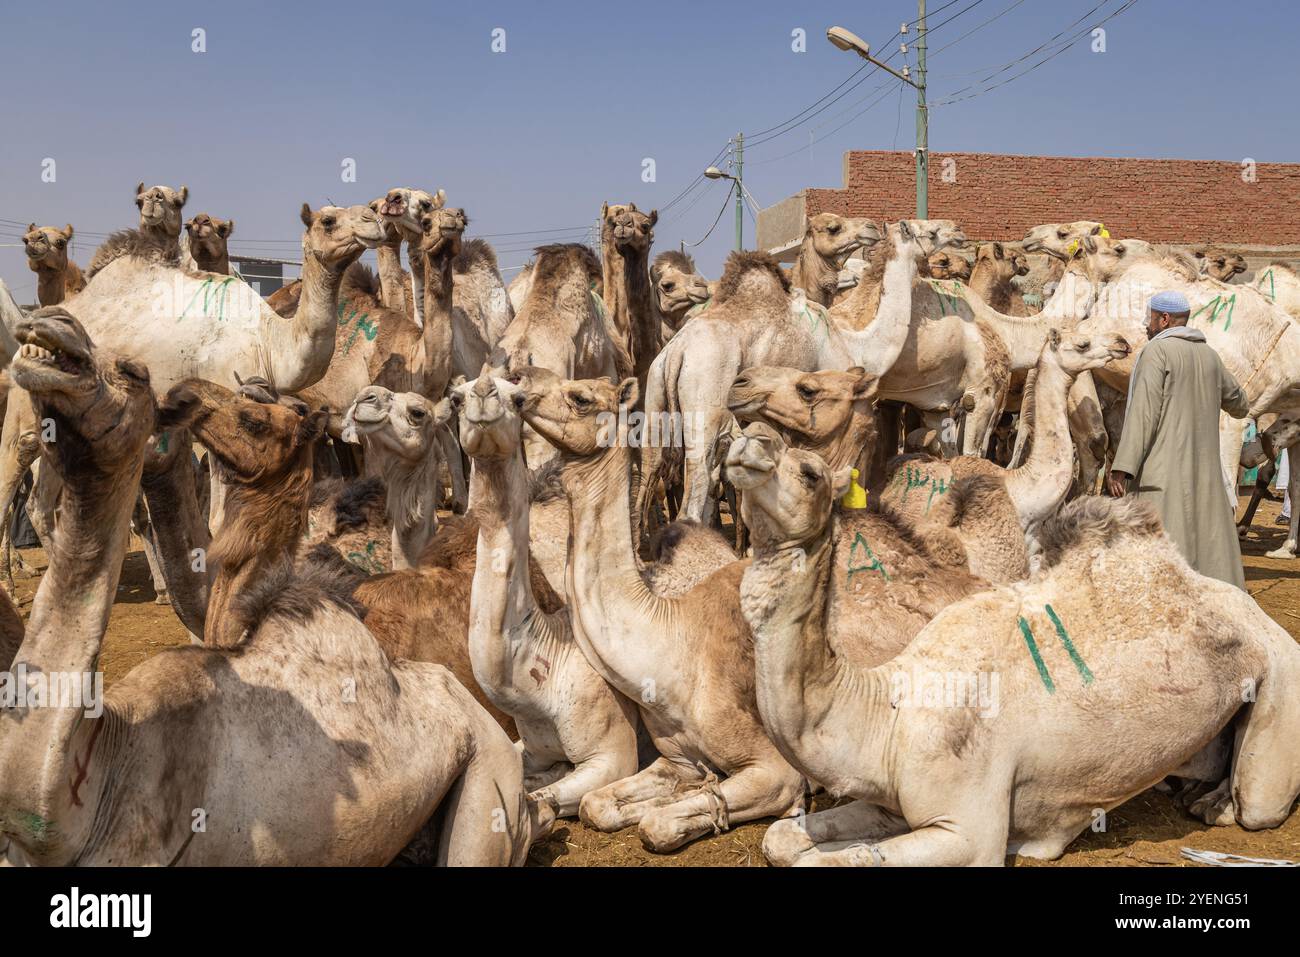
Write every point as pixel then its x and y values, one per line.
pixel 537 675
pixel 83 769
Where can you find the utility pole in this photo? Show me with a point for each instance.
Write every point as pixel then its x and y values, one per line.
pixel 922 123
pixel 740 191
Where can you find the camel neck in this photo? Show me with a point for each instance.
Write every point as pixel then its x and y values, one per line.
pixel 261 528
pixel 1038 486
pixel 501 598
pixel 47 799
pixel 990 287
pixel 816 276
pixel 630 302
pixel 392 282
pixel 436 336
pixel 299 350
pixel 218 264
pixel 51 287
pixel 878 346
pixel 413 489
pixel 845 446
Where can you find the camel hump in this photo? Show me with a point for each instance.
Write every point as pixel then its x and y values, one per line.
pixel 295 598
pixel 475 254
pixel 741 264
pixel 1095 522
pixel 132 242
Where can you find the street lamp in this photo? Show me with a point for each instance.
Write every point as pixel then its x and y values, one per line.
pixel 713 172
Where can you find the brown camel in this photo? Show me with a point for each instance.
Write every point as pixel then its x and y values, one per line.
pixel 626 235
pixel 827 242
pixel 1218 263
pixel 208 238
pixel 995 266
pixel 946 264
pixel 57 276
pixel 395 751
pixel 678 286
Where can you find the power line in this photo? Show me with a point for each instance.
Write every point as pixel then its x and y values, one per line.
pixel 725 203
pixel 976 29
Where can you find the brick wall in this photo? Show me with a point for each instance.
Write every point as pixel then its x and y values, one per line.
pixel 995 196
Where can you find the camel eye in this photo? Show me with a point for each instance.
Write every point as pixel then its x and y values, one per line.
pixel 833 230
pixel 60 244
pixel 328 222
pixel 667 286
pixel 806 393
pixel 1061 233
pixel 416 415
pixel 251 424
pixel 809 474
pixel 580 402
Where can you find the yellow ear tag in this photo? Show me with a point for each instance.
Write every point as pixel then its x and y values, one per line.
pixel 1073 247
pixel 1104 232
pixel 856 496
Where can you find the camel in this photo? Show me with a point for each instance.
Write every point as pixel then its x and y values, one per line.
pixel 828 240
pixel 578 733
pixel 397 433
pixel 1060 240
pixel 678 286
pixel 208 237
pixel 396 285
pixel 686 661
pixel 947 264
pixel 754 320
pixel 990 277
pixel 562 326
pixel 403 750
pixel 1219 263
pixel 57 276
pixel 402 208
pixel 993 732
pixel 160 226
pixel 1280 283
pixel 626 235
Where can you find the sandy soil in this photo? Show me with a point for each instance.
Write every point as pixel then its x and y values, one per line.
pixel 1148 830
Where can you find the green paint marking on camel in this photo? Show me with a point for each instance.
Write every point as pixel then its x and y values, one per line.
pixel 1219 304
pixel 368 562
pixel 363 326
pixel 950 298
pixel 937 487
pixel 874 565
pixel 38 826
pixel 214 294
pixel 163 441
pixel 909 479
pixel 1038 659
pixel 1079 665
pixel 816 319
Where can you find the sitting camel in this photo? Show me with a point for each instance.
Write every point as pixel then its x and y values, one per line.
pixel 402 752
pixel 1219 263
pixel 687 662
pixel 943 747
pixel 578 733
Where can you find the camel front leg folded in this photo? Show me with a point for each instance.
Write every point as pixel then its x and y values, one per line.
pixel 857 822
pixel 625 802
pixel 757 791
pixel 586 777
pixel 932 846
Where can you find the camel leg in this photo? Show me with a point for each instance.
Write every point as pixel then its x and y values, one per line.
pixel 754 792
pixel 19 447
pixel 587 776
pixel 623 803
pixel 1288 548
pixel 790 838
pixel 1265 768
pixel 487 820
pixel 933 846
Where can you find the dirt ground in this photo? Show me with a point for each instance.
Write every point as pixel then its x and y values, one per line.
pixel 1148 830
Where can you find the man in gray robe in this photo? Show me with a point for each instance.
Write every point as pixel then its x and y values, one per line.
pixel 1170 445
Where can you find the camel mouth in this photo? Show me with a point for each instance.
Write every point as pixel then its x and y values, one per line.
pixel 42 364
pixel 749 472
pixel 396 208
pixel 368 417
pixel 739 404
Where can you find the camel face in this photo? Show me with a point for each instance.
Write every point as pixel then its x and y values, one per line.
pixel 793 503
pixel 337 237
pixel 935 234
pixel 1107 258
pixel 1219 264
pixel 103 406
pixel 1079 352
pixel 160 207
pixel 402 423
pixel 489 416
pixel 630 228
pixel 208 235
pixel 441 230
pixel 47 246
pixel 752 455
pixel 945 265
pixel 391 234
pixel 1006 261
pixel 1059 239
pixel 404 207
pixel 677 289
pixel 835 236
pixel 576 416
pixel 812 404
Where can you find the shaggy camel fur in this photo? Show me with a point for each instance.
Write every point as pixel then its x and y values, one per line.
pixel 686 662
pixel 960 772
pixel 174 734
pixel 398 432
pixel 828 241
pixel 208 238
pixel 678 286
pixel 578 733
pixel 57 276
pixel 626 235
pixel 754 320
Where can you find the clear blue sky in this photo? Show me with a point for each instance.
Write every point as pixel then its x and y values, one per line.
pixel 536 137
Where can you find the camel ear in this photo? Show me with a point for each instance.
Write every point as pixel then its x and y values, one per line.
pixel 998 251
pixel 604 209
pixel 865 387
pixel 138 190
pixel 1089 244
pixel 841 481
pixel 1096 230
pixel 440 199
pixel 182 196
pixel 457 382
pixel 177 408
pixel 1199 254
pixel 1054 338
pixel 313 426
pixel 67 230
pixel 443 412
pixel 225 229
pixel 905 229
pixel 654 216
pixel 627 392
pixel 306 215
pixel 31 227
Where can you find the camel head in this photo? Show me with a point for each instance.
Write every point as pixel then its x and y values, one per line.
pixel 253 440
pixel 392 236
pixel 1006 260
pixel 441 230
pixel 627 227
pixel 812 405
pixel 102 405
pixel 834 236
pixel 789 492
pixel 1059 239
pixel 403 208
pixel 208 236
pixel 1106 258
pixel 337 236
pixel 1077 352
pixel 677 284
pixel 47 247
pixel 947 265
pixel 1213 262
pixel 935 234
pixel 490 422
pixel 577 416
pixel 160 208
pixel 401 424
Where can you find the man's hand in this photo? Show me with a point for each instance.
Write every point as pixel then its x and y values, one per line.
pixel 1118 483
